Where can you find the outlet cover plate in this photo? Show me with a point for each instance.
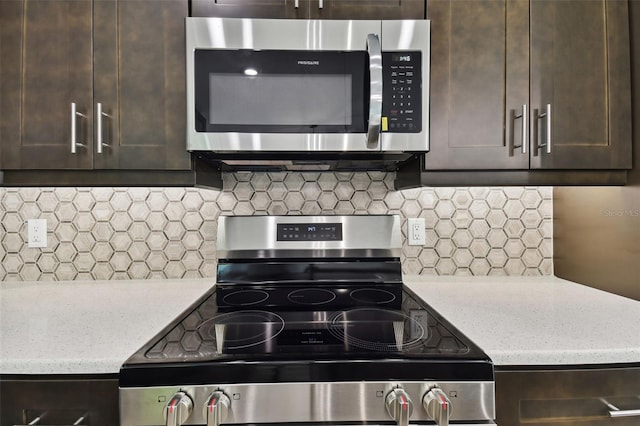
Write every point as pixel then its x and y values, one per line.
pixel 37 233
pixel 415 231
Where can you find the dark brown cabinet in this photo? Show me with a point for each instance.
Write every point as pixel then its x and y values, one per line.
pixel 59 400
pixel 272 9
pixel 497 65
pixel 579 396
pixel 368 9
pixel 311 9
pixel 46 65
pixel 93 85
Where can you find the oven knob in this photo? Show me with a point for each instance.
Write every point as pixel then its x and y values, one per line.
pixel 178 410
pixel 437 405
pixel 399 406
pixel 216 408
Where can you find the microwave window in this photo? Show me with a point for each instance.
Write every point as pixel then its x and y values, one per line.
pixel 280 91
pixel 280 99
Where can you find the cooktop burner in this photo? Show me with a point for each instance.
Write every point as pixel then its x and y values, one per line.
pixel 375 329
pixel 240 330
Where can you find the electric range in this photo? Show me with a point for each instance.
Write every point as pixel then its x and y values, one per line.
pixel 309 322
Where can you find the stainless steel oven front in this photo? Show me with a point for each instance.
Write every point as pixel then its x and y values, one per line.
pixel 266 85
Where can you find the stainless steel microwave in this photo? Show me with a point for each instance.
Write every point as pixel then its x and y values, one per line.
pixel 275 89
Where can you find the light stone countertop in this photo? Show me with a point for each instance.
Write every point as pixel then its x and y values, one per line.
pixel 85 327
pixel 80 327
pixel 537 320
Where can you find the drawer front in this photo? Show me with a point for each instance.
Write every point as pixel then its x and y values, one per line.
pixel 593 397
pixel 59 401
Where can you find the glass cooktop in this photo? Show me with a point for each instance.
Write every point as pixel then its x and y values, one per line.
pixel 212 332
pixel 307 299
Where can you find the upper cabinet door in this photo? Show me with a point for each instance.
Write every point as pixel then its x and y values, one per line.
pixel 251 8
pixel 580 72
pixel 479 83
pixel 367 9
pixel 140 93
pixel 46 68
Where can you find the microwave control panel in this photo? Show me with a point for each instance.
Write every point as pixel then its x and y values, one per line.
pixel 401 93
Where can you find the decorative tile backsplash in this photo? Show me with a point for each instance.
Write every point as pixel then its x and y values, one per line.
pixel 134 233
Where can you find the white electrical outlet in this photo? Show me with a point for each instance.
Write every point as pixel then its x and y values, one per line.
pixel 37 233
pixel 415 231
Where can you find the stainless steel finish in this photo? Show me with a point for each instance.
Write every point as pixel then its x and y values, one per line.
pixel 310 35
pixel 307 402
pixel 361 235
pixel 624 413
pixel 99 137
pixel 74 127
pixel 437 406
pixel 615 412
pixel 524 116
pixel 178 409
pixel 37 419
pixel 399 406
pixel 80 420
pixel 409 35
pixel 375 91
pixel 546 115
pixel 216 409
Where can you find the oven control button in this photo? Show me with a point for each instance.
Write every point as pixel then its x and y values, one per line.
pixel 399 406
pixel 216 408
pixel 437 406
pixel 178 409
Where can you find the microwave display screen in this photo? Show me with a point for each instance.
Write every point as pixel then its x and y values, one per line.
pixel 280 99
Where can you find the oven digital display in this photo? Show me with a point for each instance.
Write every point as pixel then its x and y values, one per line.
pixel 309 232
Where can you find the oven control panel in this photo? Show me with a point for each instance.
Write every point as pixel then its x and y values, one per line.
pixel 472 403
pixel 309 232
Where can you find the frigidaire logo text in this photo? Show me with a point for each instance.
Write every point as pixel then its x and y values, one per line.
pixel 308 62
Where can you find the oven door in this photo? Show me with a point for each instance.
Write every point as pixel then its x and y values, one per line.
pixel 283 85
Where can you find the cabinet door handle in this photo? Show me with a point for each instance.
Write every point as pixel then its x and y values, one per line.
pixel 375 95
pixel 296 4
pixel 79 422
pixel 624 413
pixel 320 4
pixel 100 114
pixel 74 127
pixel 615 412
pixel 546 115
pixel 524 116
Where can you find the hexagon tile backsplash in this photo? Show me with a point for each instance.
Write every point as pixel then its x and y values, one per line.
pixel 134 233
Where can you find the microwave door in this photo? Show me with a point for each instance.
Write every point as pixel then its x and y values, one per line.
pixel 320 92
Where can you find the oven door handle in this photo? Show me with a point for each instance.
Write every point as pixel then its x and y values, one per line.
pixel 375 94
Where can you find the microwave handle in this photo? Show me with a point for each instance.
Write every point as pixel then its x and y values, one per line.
pixel 375 101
